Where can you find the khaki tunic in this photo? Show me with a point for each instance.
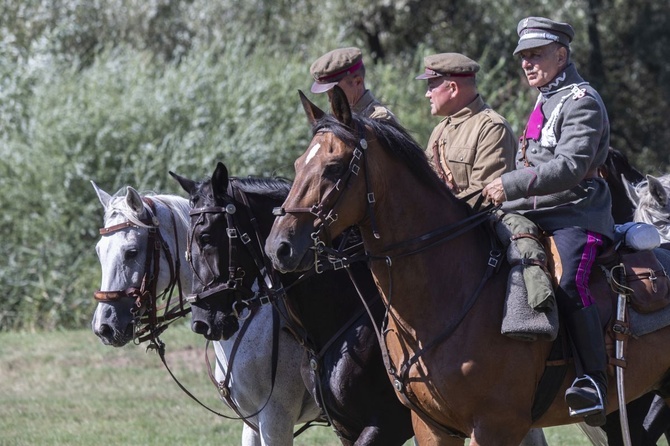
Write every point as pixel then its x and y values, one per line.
pixel 471 148
pixel 370 107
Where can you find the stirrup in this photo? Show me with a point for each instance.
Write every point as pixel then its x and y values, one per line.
pixel 599 407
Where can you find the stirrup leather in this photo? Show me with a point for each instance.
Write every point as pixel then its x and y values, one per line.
pixel 584 381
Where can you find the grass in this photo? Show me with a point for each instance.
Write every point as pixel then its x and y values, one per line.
pixel 66 388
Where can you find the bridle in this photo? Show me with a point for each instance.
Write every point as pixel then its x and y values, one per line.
pixel 324 211
pixel 148 323
pixel 245 297
pixel 271 288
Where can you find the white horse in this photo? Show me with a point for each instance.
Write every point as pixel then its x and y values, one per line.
pixel 122 250
pixel 651 203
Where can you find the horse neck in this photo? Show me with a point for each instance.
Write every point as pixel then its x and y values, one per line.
pixel 407 209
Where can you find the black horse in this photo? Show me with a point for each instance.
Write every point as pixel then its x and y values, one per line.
pixel 616 169
pixel 648 416
pixel 343 368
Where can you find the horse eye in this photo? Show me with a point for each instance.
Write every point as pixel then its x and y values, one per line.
pixel 334 171
pixel 204 239
pixel 130 254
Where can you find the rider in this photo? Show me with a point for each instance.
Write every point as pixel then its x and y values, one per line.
pixel 556 185
pixel 472 144
pixel 344 67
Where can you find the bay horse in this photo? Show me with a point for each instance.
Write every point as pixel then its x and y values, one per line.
pixel 434 264
pixel 124 314
pixel 342 366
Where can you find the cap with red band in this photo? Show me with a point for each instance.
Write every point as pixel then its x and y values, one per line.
pixel 334 66
pixel 448 64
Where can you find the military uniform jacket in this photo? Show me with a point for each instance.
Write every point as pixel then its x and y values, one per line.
pixel 557 186
pixel 370 107
pixel 472 147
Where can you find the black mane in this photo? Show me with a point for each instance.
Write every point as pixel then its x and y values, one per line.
pixel 393 137
pixel 269 187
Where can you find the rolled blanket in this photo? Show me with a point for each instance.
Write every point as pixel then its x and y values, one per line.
pixel 520 320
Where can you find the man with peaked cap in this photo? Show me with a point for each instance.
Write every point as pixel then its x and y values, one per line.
pixel 556 185
pixel 344 67
pixel 472 144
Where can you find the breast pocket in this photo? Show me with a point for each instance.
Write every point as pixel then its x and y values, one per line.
pixel 461 160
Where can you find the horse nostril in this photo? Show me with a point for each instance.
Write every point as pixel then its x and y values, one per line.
pixel 105 331
pixel 200 327
pixel 284 251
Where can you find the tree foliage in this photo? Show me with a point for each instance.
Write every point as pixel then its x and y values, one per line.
pixel 121 91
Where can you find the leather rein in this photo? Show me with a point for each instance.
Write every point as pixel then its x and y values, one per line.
pixel 271 290
pixel 324 211
pixel 148 324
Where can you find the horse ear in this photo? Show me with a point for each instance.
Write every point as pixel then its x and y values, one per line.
pixel 657 191
pixel 188 185
pixel 103 196
pixel 220 180
pixel 134 200
pixel 313 112
pixel 630 190
pixel 340 106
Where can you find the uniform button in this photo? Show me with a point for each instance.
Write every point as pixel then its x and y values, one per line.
pixel 533 150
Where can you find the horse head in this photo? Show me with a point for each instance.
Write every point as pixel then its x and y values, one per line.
pixel 317 207
pixel 132 273
pixel 653 206
pixel 350 165
pixel 225 252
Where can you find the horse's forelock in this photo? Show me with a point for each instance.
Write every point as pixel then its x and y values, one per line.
pixel 119 206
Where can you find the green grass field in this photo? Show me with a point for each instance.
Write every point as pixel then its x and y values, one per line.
pixel 66 388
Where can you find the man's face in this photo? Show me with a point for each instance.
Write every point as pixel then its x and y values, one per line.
pixel 542 64
pixel 349 85
pixel 441 92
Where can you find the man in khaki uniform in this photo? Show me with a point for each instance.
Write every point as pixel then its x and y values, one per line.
pixel 472 144
pixel 344 67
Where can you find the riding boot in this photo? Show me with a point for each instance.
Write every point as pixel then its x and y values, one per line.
pixel 588 393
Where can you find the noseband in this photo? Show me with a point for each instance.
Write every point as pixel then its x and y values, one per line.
pixel 146 309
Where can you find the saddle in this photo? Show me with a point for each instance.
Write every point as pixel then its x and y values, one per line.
pixel 638 274
pixel 530 309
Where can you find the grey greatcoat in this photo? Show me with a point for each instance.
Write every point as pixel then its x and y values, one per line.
pixel 556 184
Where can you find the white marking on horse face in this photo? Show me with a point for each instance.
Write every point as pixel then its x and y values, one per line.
pixel 312 152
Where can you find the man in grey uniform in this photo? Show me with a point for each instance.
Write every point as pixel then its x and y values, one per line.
pixel 556 185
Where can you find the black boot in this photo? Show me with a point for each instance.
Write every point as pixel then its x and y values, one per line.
pixel 588 394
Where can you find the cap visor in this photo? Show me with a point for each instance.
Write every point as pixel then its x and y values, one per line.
pixel 322 88
pixel 531 43
pixel 427 76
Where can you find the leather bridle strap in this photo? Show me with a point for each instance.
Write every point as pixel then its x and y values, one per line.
pixel 324 209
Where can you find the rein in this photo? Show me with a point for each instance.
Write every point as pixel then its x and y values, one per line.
pixel 324 211
pixel 147 320
pixel 271 291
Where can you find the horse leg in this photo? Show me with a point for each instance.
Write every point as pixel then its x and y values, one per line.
pixel 250 437
pixel 534 437
pixel 637 411
pixel 657 422
pixel 426 435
